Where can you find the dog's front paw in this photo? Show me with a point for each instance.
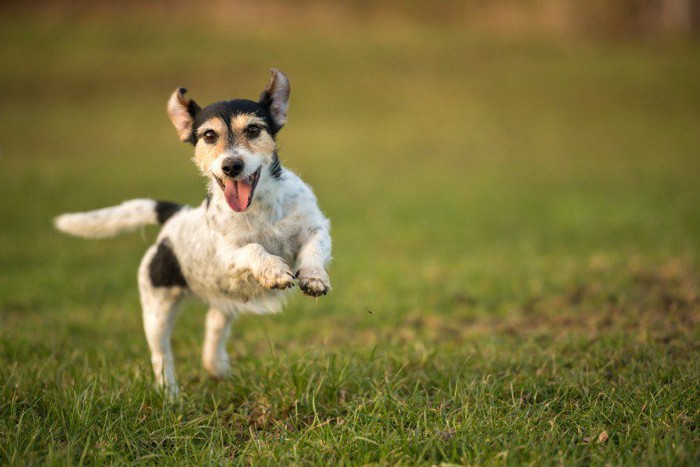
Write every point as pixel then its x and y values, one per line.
pixel 275 274
pixel 314 282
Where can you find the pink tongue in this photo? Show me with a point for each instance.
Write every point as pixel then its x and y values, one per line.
pixel 237 194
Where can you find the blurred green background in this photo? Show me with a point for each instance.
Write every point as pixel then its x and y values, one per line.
pixel 494 175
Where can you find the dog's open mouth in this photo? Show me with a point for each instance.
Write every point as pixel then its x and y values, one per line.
pixel 239 193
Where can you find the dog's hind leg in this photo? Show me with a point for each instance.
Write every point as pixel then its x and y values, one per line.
pixel 160 303
pixel 214 357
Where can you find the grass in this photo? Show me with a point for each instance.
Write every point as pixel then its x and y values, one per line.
pixel 516 228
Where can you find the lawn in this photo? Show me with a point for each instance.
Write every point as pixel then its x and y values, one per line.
pixel 516 231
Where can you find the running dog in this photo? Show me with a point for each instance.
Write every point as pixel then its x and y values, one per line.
pixel 257 232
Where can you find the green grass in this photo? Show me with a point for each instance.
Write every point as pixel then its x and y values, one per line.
pixel 516 228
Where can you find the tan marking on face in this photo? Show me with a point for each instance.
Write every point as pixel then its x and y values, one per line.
pixel 262 144
pixel 205 154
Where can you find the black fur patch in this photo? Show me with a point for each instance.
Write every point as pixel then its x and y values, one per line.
pixel 193 109
pixel 165 210
pixel 227 109
pixel 276 167
pixel 165 269
pixel 208 200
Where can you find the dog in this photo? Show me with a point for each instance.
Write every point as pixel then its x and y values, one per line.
pixel 257 232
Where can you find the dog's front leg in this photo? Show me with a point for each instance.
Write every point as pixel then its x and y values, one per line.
pixel 311 263
pixel 269 270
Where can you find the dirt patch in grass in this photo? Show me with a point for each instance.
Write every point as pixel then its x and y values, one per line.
pixel 662 304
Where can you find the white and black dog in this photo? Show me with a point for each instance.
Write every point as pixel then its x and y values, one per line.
pixel 258 230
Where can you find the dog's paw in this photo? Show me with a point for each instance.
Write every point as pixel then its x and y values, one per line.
pixel 219 370
pixel 275 274
pixel 314 282
pixel 218 367
pixel 170 392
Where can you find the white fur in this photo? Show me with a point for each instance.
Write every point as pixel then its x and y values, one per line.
pixel 109 222
pixel 234 262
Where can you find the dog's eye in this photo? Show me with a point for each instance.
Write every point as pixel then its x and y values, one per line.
pixel 252 130
pixel 210 136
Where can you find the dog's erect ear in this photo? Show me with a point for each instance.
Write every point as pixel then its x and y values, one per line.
pixel 276 97
pixel 182 111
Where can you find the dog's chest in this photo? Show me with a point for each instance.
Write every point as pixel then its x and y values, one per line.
pixel 278 238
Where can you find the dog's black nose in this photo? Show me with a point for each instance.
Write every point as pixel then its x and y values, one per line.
pixel 232 167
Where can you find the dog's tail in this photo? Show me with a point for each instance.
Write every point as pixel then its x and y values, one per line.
pixel 111 221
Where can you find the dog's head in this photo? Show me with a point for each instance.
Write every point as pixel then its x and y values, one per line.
pixel 234 141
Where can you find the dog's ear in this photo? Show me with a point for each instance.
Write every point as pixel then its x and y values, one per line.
pixel 182 111
pixel 275 97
